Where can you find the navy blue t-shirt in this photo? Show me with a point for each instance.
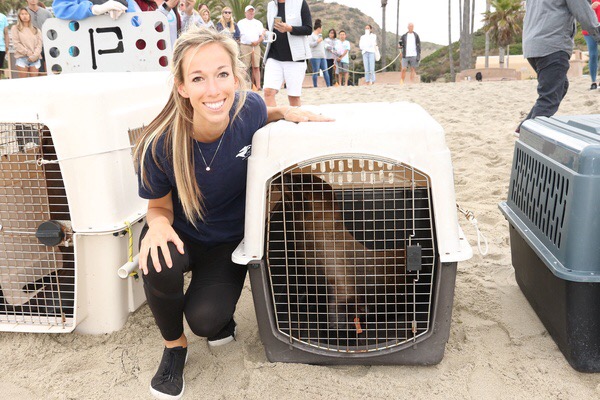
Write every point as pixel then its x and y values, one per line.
pixel 223 187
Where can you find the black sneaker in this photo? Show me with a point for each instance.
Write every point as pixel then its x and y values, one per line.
pixel 226 335
pixel 594 86
pixel 168 383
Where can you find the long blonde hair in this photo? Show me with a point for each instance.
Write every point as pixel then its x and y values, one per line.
pixel 21 26
pixel 229 25
pixel 175 121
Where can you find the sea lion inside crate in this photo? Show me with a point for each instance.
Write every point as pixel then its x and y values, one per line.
pixel 319 236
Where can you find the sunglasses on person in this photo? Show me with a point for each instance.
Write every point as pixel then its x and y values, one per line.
pixel 226 12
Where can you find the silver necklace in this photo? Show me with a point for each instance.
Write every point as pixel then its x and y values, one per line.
pixel 214 155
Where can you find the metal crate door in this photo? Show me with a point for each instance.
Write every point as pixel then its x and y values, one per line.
pixel 351 253
pixel 37 282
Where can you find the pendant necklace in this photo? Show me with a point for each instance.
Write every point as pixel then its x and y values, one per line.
pixel 214 155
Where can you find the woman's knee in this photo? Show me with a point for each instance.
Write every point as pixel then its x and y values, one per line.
pixel 206 320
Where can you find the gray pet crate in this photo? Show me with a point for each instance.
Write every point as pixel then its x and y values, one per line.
pixel 553 208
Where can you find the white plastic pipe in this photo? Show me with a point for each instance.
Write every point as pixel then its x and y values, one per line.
pixel 129 266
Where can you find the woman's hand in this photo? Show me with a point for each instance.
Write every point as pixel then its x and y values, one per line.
pixel 283 27
pixel 297 114
pixel 159 234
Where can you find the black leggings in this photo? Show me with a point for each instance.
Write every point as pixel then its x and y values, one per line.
pixel 210 300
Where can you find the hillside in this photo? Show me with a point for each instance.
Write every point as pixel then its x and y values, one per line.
pixel 353 21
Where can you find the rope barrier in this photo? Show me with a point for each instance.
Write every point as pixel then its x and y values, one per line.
pixel 358 72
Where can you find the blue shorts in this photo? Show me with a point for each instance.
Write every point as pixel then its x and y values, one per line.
pixel 24 62
pixel 343 67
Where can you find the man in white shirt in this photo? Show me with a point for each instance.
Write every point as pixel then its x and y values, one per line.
pixel 252 33
pixel 411 52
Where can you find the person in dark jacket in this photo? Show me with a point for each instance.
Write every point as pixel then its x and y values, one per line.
pixel 410 43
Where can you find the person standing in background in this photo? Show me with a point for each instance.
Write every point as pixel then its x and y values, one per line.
pixel 317 48
pixel 330 44
pixel 4 42
pixel 592 46
pixel 167 8
pixel 252 33
pixel 285 58
pixel 410 43
pixel 27 40
pixel 343 60
pixel 201 18
pixel 81 9
pixel 367 45
pixel 39 15
pixel 548 47
pixel 227 24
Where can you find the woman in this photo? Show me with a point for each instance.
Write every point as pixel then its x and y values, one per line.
pixel 367 45
pixel 27 41
pixel 318 54
pixel 205 17
pixel 593 49
pixel 227 24
pixel 200 19
pixel 191 171
pixel 330 53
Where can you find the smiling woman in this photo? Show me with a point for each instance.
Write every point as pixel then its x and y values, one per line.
pixel 192 162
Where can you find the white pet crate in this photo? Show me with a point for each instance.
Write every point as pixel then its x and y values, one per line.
pixel 352 237
pixel 67 179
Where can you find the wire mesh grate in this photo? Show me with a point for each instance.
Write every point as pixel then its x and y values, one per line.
pixel 338 235
pixel 37 283
pixel 541 193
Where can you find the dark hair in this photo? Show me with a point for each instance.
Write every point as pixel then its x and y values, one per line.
pixel 342 31
pixel 317 24
pixel 334 33
pixel 370 26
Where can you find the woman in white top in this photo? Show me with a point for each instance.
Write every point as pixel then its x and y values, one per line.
pixel 367 44
pixel 317 47
pixel 331 43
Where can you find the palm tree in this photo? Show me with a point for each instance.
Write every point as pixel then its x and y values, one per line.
pixel 398 30
pixel 487 37
pixel 383 34
pixel 6 6
pixel 452 76
pixel 504 23
pixel 466 42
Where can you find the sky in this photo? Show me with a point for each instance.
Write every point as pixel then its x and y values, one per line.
pixel 430 17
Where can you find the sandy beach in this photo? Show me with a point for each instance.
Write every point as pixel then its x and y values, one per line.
pixel 498 348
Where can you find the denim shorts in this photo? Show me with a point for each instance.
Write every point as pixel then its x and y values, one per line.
pixel 24 62
pixel 343 67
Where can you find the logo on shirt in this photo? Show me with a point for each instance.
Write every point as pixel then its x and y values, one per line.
pixel 245 152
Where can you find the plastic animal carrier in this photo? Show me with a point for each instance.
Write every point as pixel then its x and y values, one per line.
pixel 70 215
pixel 352 238
pixel 553 208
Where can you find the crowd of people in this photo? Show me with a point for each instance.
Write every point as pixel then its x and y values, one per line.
pixel 282 48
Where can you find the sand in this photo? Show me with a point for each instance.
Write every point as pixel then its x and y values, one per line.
pixel 498 348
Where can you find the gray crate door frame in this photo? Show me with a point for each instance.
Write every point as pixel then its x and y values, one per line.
pixel 134 42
